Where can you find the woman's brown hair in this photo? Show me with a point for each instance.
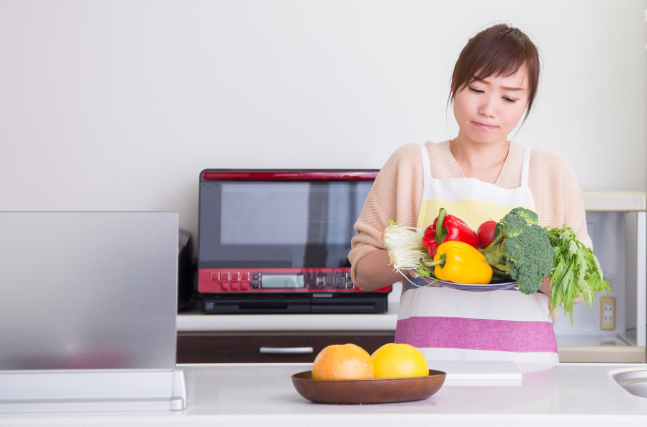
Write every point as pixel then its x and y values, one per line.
pixel 499 50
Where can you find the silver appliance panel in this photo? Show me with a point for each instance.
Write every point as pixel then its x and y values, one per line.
pixel 88 290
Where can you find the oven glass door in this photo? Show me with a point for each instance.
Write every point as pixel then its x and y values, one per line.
pixel 293 224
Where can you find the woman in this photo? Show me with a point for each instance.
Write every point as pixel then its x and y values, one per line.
pixel 477 176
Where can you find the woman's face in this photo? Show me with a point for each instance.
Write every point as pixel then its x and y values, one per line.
pixel 488 110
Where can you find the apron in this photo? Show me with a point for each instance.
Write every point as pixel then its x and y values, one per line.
pixel 448 324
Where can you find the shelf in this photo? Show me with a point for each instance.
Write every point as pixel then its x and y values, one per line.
pixel 194 321
pixel 618 201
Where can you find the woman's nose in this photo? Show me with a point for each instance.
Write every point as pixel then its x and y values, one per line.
pixel 487 106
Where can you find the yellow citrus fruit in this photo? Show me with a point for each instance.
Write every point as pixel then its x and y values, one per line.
pixel 342 362
pixel 399 360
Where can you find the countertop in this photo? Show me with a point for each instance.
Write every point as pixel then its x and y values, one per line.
pixel 195 321
pixel 603 348
pixel 253 395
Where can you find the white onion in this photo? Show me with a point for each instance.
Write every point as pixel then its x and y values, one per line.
pixel 404 246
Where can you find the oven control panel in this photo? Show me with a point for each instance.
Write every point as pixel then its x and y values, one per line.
pixel 246 280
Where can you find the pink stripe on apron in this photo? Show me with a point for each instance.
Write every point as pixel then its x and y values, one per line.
pixel 477 334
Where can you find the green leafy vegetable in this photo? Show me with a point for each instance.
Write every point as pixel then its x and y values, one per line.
pixel 422 271
pixel 576 271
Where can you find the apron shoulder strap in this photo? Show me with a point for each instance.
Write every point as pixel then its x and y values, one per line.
pixel 525 166
pixel 426 166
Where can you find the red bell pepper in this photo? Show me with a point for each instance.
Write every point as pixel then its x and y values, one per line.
pixel 447 228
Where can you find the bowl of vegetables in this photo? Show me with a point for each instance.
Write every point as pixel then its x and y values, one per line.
pixel 515 252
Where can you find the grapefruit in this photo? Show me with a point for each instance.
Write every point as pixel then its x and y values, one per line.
pixel 399 360
pixel 342 362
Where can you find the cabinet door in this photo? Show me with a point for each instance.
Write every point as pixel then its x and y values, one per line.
pixel 213 348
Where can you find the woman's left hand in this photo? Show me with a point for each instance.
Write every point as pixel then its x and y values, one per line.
pixel 545 289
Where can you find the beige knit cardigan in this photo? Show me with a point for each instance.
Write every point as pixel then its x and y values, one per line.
pixel 397 191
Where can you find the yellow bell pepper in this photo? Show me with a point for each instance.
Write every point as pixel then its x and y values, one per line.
pixel 459 262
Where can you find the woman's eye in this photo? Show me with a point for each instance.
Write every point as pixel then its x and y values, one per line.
pixel 510 100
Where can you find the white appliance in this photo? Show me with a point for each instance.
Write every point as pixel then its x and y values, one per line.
pixel 617 224
pixel 88 312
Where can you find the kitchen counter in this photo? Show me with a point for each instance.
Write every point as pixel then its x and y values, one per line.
pixel 195 321
pixel 253 395
pixel 570 348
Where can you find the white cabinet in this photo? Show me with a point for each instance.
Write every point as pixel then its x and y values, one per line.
pixel 616 223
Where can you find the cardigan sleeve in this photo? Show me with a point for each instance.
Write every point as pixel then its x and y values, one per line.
pixel 395 195
pixel 558 197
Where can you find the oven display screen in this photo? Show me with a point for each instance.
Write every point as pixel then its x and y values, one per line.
pixel 279 224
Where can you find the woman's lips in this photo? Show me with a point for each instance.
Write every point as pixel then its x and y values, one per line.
pixel 482 126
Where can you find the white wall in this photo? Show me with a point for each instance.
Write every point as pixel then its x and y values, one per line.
pixel 118 105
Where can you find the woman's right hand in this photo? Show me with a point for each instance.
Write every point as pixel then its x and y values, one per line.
pixel 414 275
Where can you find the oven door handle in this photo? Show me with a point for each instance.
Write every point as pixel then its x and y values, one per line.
pixel 286 350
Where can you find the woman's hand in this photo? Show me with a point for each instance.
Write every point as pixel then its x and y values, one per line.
pixel 545 289
pixel 414 275
pixel 374 271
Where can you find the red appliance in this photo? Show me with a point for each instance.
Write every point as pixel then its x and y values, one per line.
pixel 273 241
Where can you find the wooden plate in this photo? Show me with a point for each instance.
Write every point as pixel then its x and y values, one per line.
pixel 377 390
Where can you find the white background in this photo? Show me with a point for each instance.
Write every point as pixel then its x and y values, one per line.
pixel 118 105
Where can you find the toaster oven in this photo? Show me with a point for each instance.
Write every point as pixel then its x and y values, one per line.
pixel 277 241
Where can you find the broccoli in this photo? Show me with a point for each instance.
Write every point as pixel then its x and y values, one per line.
pixel 530 216
pixel 520 251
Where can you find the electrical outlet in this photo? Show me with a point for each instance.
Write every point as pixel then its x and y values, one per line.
pixel 608 313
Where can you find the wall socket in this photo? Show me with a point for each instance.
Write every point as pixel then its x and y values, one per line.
pixel 608 313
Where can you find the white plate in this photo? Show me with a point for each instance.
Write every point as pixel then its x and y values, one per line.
pixel 474 288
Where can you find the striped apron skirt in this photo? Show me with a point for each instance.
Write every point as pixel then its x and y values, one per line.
pixel 449 324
